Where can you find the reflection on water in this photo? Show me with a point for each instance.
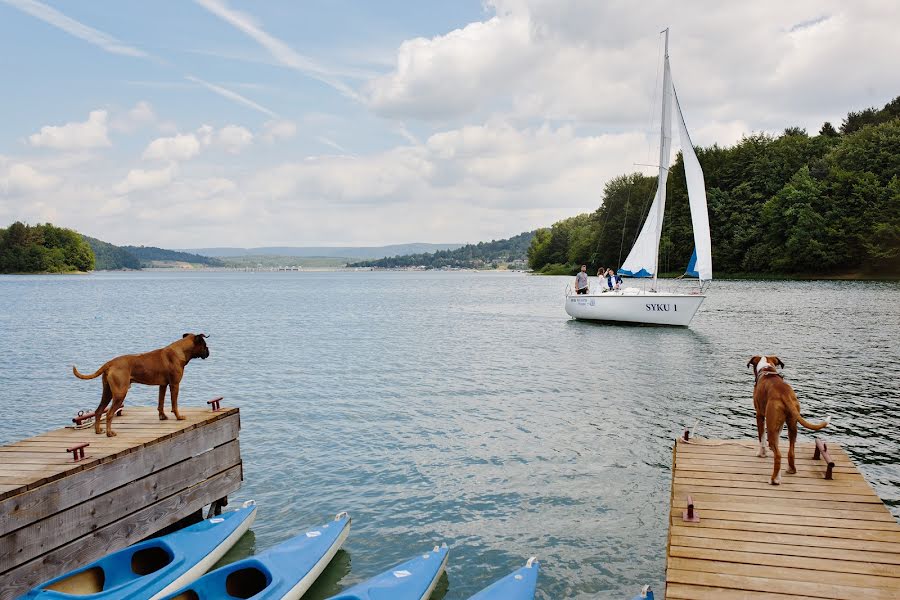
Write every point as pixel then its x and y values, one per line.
pixel 465 408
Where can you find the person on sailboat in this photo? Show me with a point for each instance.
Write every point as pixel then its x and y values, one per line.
pixel 601 272
pixel 581 281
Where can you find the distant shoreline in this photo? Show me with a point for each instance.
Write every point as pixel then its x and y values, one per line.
pixel 666 276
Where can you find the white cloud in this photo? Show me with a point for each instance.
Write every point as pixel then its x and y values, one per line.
pixel 141 115
pixel 74 136
pixel 19 178
pixel 205 134
pixel 234 138
pixel 763 63
pixel 139 180
pixel 278 129
pixel 176 148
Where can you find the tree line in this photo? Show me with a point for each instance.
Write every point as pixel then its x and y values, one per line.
pixel 787 204
pixel 482 254
pixel 43 249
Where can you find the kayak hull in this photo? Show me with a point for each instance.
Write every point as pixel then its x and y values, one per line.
pixel 284 572
pixel 414 579
pixel 521 584
pixel 150 568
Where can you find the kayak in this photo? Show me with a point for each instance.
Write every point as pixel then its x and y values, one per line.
pixel 414 579
pixel 155 567
pixel 284 572
pixel 518 585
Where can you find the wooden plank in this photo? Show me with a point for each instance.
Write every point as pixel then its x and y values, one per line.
pixel 789 574
pixel 769 584
pixel 808 471
pixel 841 480
pixel 118 534
pixel 790 528
pixel 679 591
pixel 764 470
pixel 816 485
pixel 775 560
pixel 751 457
pixel 786 550
pixel 44 535
pixel 23 508
pixel 861 512
pixel 774 493
pixel 741 446
pixel 823 521
pixel 801 450
pixel 788 539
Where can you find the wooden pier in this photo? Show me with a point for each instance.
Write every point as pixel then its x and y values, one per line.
pixel 809 537
pixel 58 513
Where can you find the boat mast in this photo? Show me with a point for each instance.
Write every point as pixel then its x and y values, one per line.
pixel 665 131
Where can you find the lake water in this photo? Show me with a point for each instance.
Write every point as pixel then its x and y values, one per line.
pixel 463 407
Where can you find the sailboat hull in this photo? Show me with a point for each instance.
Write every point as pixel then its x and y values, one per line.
pixel 641 307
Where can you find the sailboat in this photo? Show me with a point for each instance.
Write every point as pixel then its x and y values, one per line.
pixel 651 306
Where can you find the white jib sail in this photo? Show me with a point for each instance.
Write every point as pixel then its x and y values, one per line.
pixel 642 260
pixel 696 186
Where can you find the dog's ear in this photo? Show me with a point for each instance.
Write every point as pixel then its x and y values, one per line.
pixel 185 335
pixel 753 361
pixel 776 361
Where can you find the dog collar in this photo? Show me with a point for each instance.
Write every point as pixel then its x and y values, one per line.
pixel 765 372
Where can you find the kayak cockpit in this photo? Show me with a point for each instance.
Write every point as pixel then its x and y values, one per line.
pixel 82 583
pixel 246 582
pixel 142 559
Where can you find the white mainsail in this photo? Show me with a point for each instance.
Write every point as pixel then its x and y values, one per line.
pixel 643 259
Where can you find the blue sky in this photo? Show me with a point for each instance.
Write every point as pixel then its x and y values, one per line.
pixel 219 122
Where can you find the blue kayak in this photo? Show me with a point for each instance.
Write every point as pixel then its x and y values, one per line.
pixel 518 585
pixel 155 567
pixel 284 572
pixel 413 580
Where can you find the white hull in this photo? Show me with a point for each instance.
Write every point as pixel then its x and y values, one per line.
pixel 637 307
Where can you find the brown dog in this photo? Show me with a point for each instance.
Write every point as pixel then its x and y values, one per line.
pixel 163 367
pixel 776 404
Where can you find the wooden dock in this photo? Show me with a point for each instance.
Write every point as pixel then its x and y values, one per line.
pixel 807 538
pixel 57 514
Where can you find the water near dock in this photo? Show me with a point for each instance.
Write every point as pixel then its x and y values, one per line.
pixel 463 407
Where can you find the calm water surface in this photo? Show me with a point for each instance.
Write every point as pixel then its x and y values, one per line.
pixel 462 407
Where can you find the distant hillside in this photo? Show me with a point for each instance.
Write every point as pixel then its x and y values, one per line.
pixel 471 256
pixel 150 254
pixel 361 252
pixel 108 257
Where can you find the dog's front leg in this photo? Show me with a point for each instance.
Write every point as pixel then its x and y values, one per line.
pixel 161 406
pixel 761 430
pixel 173 391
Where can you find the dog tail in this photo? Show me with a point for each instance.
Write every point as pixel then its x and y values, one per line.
pixel 806 423
pixel 99 372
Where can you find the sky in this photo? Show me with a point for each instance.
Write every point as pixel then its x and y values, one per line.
pixel 338 122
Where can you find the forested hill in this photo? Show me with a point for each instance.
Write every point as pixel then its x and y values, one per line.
pixel 150 254
pixel 111 258
pixel 825 204
pixel 495 253
pixel 43 249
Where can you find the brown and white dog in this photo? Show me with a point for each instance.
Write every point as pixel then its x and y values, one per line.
pixel 162 367
pixel 776 404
